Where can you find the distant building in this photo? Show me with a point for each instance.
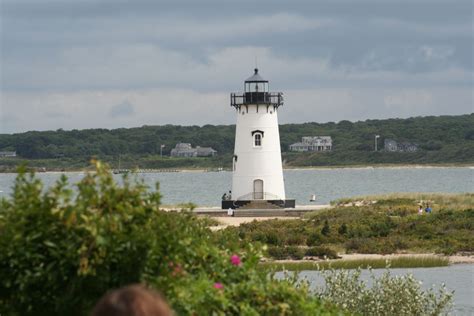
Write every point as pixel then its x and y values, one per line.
pixel 7 153
pixel 390 145
pixel 183 150
pixel 205 151
pixel 186 150
pixel 394 146
pixel 313 143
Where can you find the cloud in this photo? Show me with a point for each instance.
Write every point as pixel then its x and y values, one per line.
pixel 91 109
pixel 124 109
pixel 77 64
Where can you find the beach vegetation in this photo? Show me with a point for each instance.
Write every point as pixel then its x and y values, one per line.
pixel 373 225
pixel 386 295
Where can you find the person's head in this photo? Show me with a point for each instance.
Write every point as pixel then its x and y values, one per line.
pixel 132 300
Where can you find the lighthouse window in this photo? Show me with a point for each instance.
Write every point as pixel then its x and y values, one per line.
pixel 258 139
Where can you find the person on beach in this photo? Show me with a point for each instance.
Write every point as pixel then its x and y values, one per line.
pixel 428 209
pixel 132 300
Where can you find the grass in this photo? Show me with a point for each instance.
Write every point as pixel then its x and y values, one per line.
pixel 442 200
pixel 401 262
pixel 388 224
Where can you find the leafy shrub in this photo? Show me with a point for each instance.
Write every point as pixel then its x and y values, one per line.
pixel 342 229
pixel 60 251
pixel 321 252
pixel 278 253
pixel 290 252
pixel 272 238
pixel 295 253
pixel 370 245
pixel 313 239
pixel 295 239
pixel 326 229
pixel 388 295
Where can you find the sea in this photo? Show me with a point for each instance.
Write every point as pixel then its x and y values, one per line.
pixel 206 188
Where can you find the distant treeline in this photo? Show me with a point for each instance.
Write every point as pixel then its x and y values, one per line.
pixel 441 139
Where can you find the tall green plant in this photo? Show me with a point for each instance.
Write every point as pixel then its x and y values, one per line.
pixel 388 295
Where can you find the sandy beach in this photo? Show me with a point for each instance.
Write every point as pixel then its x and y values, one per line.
pixel 236 221
pixel 454 259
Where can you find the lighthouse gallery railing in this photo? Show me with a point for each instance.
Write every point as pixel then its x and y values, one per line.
pixel 266 98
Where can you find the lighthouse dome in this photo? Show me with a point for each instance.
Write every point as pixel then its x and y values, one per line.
pixel 256 77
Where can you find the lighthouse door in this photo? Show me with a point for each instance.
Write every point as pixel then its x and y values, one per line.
pixel 258 189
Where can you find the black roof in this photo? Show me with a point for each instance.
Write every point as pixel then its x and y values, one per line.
pixel 256 77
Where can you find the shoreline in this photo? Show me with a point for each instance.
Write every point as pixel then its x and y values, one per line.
pixel 287 168
pixel 452 259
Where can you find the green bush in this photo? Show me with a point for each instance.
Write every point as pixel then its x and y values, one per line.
pixel 314 239
pixel 321 252
pixel 342 229
pixel 295 239
pixel 326 230
pixel 278 253
pixel 61 250
pixel 289 252
pixel 399 295
pixel 295 252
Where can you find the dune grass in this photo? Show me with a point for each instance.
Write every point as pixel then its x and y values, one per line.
pixel 400 262
pixel 442 200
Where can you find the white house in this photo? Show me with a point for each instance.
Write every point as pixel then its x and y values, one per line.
pixel 313 143
pixel 186 150
pixel 7 154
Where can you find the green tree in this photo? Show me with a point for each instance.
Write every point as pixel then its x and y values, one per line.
pixel 326 230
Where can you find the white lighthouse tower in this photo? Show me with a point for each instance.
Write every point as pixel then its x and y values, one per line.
pixel 257 178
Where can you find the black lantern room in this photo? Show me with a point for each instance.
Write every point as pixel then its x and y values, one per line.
pixel 256 92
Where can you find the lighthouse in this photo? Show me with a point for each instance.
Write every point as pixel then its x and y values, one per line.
pixel 257 173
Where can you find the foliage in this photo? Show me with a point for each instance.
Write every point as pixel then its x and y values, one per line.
pixel 388 295
pixel 442 139
pixel 380 224
pixel 326 229
pixel 290 252
pixel 321 252
pixel 297 253
pixel 60 251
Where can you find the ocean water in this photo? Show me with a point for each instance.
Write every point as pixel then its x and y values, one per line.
pixel 206 188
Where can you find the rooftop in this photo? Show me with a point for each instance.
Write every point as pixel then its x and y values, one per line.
pixel 256 77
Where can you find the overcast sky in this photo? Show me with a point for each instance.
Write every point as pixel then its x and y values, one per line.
pixel 77 64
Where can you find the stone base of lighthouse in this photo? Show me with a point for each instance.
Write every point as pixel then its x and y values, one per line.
pixel 258 204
